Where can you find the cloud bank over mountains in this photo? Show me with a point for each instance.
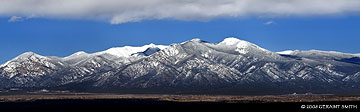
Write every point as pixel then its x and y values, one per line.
pixel 123 11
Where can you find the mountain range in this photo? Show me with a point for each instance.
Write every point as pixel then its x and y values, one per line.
pixel 231 66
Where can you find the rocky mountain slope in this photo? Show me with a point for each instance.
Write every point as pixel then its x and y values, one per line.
pixel 231 66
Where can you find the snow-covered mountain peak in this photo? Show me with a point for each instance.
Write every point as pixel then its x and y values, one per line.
pixel 29 63
pixel 80 53
pixel 196 40
pixel 152 45
pixel 240 46
pixel 127 51
pixel 28 56
pixel 232 41
pixel 24 57
pixel 287 52
pixel 77 55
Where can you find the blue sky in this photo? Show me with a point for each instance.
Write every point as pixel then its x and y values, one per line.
pixel 62 35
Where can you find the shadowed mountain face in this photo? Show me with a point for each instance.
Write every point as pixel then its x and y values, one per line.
pixel 230 67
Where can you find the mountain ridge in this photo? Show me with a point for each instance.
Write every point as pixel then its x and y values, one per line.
pixel 195 66
pixel 285 52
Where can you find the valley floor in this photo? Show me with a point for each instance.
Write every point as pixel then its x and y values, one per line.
pixel 110 102
pixel 180 98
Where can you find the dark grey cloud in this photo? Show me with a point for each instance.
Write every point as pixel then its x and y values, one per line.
pixel 122 11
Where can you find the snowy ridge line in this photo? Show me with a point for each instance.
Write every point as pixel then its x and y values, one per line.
pixel 200 65
pixel 127 51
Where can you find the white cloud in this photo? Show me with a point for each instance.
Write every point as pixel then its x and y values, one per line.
pixel 269 23
pixel 122 11
pixel 15 19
